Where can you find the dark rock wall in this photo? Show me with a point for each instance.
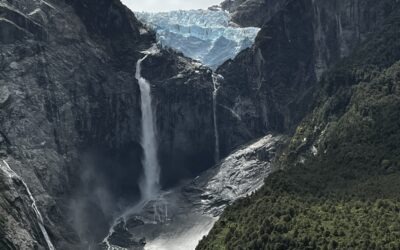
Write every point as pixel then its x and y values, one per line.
pixel 70 104
pixel 67 99
pixel 183 102
pixel 70 111
pixel 270 86
pixel 252 13
pixel 344 151
pixel 18 222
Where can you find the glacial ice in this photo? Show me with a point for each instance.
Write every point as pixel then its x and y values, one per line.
pixel 204 35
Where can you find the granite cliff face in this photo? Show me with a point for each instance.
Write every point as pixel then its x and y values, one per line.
pixel 343 157
pixel 70 115
pixel 183 102
pixel 252 13
pixel 270 86
pixel 70 105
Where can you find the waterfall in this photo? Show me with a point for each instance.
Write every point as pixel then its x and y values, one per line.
pixel 149 185
pixel 12 175
pixel 166 212
pixel 233 113
pixel 215 79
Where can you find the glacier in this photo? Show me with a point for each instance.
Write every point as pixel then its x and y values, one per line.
pixel 208 36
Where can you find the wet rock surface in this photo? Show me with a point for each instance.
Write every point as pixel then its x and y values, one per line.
pixel 19 228
pixel 239 174
pixel 271 86
pixel 179 218
pixel 70 112
pixel 182 94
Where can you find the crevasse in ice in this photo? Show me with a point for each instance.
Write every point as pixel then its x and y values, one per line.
pixel 204 35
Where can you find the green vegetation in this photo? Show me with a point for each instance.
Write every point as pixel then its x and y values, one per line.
pixel 338 183
pixel 288 221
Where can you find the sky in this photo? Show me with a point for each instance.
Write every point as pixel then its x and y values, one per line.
pixel 166 5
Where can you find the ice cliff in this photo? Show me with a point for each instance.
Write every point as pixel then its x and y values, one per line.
pixel 205 35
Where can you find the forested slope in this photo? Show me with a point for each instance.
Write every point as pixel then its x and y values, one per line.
pixel 337 184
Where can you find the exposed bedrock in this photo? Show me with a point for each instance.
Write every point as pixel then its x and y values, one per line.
pixel 70 104
pixel 270 87
pixel 70 114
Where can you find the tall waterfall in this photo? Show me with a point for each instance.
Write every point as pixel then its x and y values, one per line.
pixel 215 79
pixel 149 184
pixel 12 175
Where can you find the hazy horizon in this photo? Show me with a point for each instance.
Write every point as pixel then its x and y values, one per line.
pixel 168 5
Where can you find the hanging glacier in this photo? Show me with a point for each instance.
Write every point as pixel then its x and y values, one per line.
pixel 204 35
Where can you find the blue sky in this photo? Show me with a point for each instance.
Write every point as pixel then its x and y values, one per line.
pixel 165 5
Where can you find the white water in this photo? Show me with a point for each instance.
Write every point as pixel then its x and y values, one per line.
pixel 149 185
pixel 233 113
pixel 182 236
pixel 215 78
pixel 12 175
pixel 160 209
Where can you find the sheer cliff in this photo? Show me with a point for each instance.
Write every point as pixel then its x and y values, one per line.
pixel 324 73
pixel 336 184
pixel 270 86
pixel 70 117
pixel 251 13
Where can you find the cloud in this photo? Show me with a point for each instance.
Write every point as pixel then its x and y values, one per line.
pixel 166 5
